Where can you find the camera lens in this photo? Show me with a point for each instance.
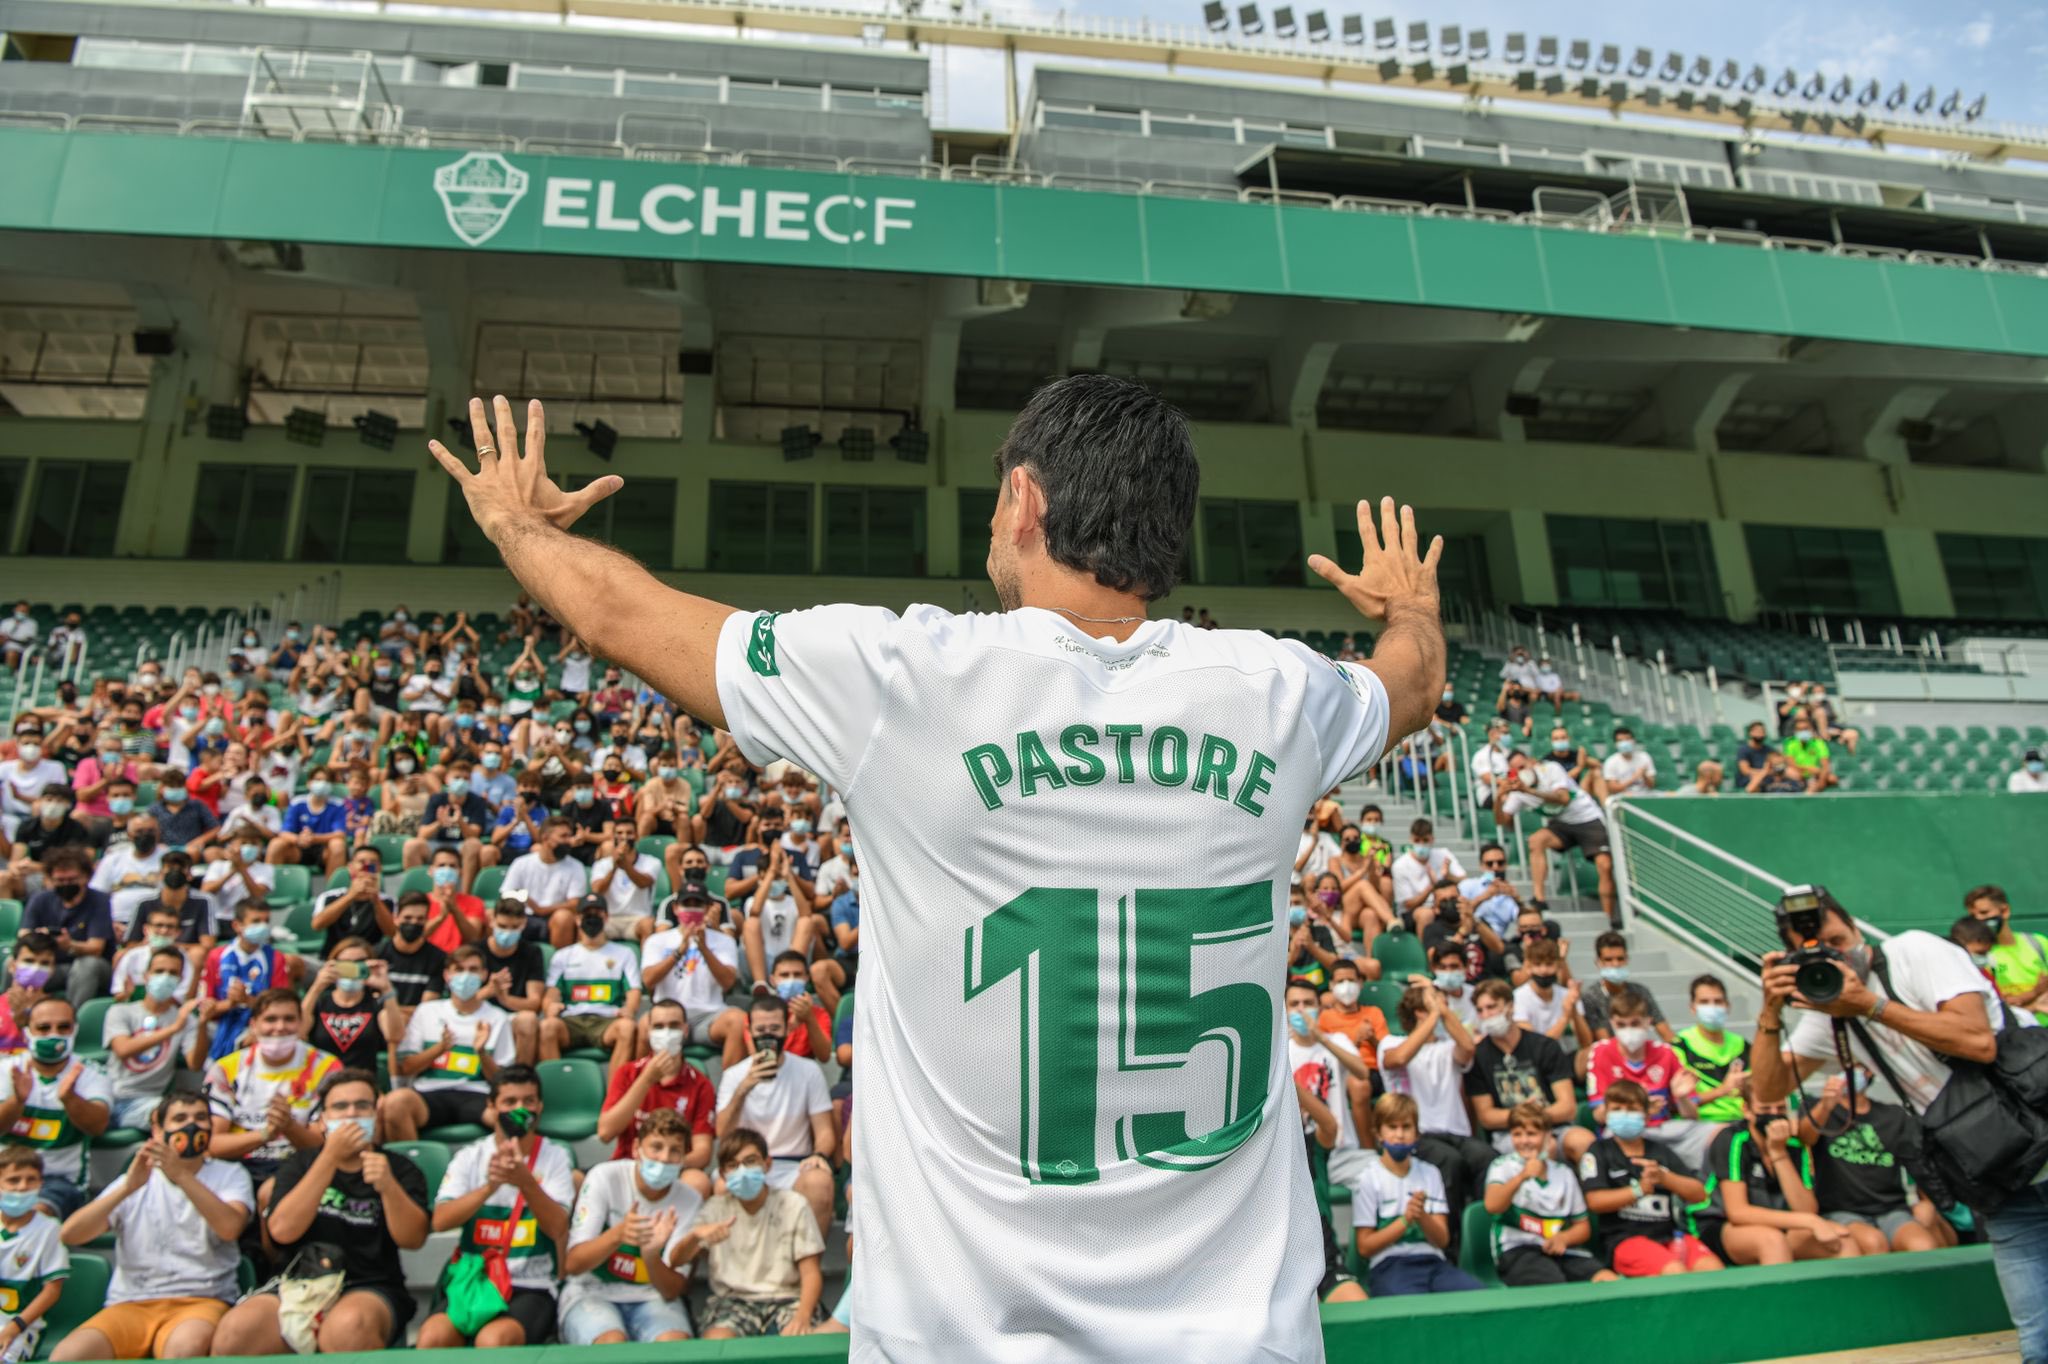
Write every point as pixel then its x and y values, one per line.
pixel 1819 981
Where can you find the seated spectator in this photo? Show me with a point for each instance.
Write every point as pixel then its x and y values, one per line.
pixel 1326 1067
pixel 553 882
pixel 180 821
pixel 345 1004
pixel 359 909
pixel 146 1037
pixel 1716 1058
pixel 1548 685
pixel 724 819
pixel 130 873
pixel 1362 1025
pixel 518 976
pixel 625 877
pixel 1610 955
pixel 1532 927
pixel 764 1249
pixel 262 1094
pixel 453 1050
pixel 1513 1070
pixel 510 1193
pixel 664 803
pixel 456 820
pixel 454 916
pixel 1634 1052
pixel 1572 820
pixel 315 828
pixel 809 1026
pixel 2018 961
pixel 1312 937
pixel 1760 1182
pixel 29 973
pixel 1754 755
pixel 1706 779
pixel 662 1082
pixel 415 967
pixel 1776 778
pixel 775 921
pixel 517 828
pixel 1417 872
pixel 785 1100
pixel 92 783
pixel 40 1262
pixel 24 779
pixel 630 1214
pixel 1450 972
pixel 1541 1228
pixel 1861 1165
pixel 1975 937
pixel 236 874
pixel 1449 709
pixel 593 992
pixel 1825 724
pixel 346 1193
pixel 177 1218
pixel 1807 754
pixel 54 1105
pixel 18 635
pixel 694 964
pixel 1544 1006
pixel 1577 761
pixel 1492 897
pixel 236 972
pixel 51 827
pixel 1428 1065
pixel 1640 1190
pixel 2031 777
pixel 1400 1215
pixel 1455 925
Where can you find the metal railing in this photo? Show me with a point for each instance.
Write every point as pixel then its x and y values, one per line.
pixel 1604 222
pixel 1650 688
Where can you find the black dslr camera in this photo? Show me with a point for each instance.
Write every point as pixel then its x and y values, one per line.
pixel 1801 910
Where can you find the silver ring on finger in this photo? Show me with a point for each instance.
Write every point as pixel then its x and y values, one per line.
pixel 487 449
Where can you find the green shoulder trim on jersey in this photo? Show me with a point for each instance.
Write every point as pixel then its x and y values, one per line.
pixel 761 646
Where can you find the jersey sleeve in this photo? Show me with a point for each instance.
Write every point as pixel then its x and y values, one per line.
pixel 464 1173
pixel 592 1216
pixel 1346 709
pixel 806 685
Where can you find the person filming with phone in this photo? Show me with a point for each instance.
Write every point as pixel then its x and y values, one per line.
pixel 1916 1011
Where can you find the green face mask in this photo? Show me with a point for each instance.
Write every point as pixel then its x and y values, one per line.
pixel 50 1050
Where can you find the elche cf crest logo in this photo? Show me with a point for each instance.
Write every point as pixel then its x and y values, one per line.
pixel 479 193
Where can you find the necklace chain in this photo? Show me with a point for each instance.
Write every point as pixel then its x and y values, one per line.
pixel 1099 620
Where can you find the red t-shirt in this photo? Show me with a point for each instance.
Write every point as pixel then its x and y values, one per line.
pixel 206 788
pixel 799 1043
pixel 1654 1072
pixel 445 934
pixel 689 1094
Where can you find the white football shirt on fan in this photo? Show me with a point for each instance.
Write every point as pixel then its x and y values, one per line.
pixel 1083 1142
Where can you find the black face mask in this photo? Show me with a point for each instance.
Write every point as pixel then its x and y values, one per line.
pixel 1352 845
pixel 1545 981
pixel 1996 923
pixel 189 1141
pixel 176 879
pixel 68 892
pixel 411 932
pixel 769 1041
pixel 144 843
pixel 592 924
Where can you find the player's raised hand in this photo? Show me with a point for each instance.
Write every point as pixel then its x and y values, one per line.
pixel 1395 568
pixel 511 485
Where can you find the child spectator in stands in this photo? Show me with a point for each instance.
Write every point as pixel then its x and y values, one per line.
pixel 764 1249
pixel 344 1003
pixel 38 1262
pixel 1514 1068
pixel 29 972
pixel 509 1192
pixel 1716 1058
pixel 662 1082
pixel 694 964
pixel 1762 1209
pixel 1327 1065
pixel 1400 1213
pixel 1451 972
pixel 1610 955
pixel 54 1104
pixel 146 1037
pixel 1428 1064
pixel 177 1217
pixel 784 1098
pixel 264 1093
pixel 1362 1025
pixel 1640 1190
pixel 236 972
pixel 517 975
pixel 593 992
pixel 1540 1225
pixel 1634 1052
pixel 1860 1166
pixel 1544 1006
pixel 453 1051
pixel 236 873
pixel 630 1213
pixel 347 1193
pixel 2018 961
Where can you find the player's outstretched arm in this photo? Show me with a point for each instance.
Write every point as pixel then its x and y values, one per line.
pixel 620 609
pixel 1396 584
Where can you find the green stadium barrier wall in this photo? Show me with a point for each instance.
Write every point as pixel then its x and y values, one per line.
pixel 1895 861
pixel 411 197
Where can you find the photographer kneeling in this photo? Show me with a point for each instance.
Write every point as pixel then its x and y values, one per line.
pixel 1909 1006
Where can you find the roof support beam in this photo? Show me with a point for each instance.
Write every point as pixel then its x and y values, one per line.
pixel 1687 409
pixel 1482 404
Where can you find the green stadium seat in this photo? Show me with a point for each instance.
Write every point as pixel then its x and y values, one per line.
pixel 120 1138
pixel 845 1008
pixel 487 882
pixel 338 878
pixel 456 1135
pixel 1475 1244
pixel 431 1156
pixel 572 1094
pixel 1398 954
pixel 390 847
pixel 293 886
pixel 416 878
pixel 92 1018
pixel 1384 995
pixel 654 845
pixel 85 1292
pixel 10 919
pixel 307 941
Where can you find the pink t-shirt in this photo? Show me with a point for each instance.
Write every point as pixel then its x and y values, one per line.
pixel 1655 1071
pixel 87 773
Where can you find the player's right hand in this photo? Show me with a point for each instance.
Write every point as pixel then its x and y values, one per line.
pixel 1392 570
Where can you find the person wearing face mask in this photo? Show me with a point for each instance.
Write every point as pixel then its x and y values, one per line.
pixel 1639 1189
pixel 1363 1025
pixel 52 827
pixel 345 1003
pixel 236 875
pixel 360 908
pixel 663 1082
pixel 613 787
pixel 1401 1211
pixel 1417 871
pixel 1610 956
pixel 54 1104
pixel 1545 1002
pixel 625 877
pixel 807 1025
pixel 1328 1067
pixel 29 970
pixel 1428 1062
pixel 93 776
pixel 588 819
pixel 1490 762
pixel 453 1050
pixel 238 971
pixel 516 974
pixel 593 992
pixel 692 964
pixel 2018 961
pixel 784 1098
pixel 177 1218
pixel 1761 1206
pixel 18 635
pixel 414 966
pixel 725 816
pixel 262 1090
pixel 40 1263
pixel 1573 819
pixel 454 917
pixel 552 880
pixel 455 820
pixel 1628 768
pixel 1578 762
pixel 428 693
pixel 665 799
pixel 1311 938
pixel 764 1249
pixel 619 749
pixel 315 827
pixel 630 1213
pixel 1513 1067
pixel 146 1036
pixel 518 823
pixel 1754 755
pixel 78 918
pixel 574 659
pixel 24 779
pixel 1450 709
pixel 1716 1056
pixel 775 920
pixel 2031 777
pixel 1633 1051
pixel 1807 754
pixel 190 916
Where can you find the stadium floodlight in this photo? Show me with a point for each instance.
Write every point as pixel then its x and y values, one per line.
pixel 1754 81
pixel 1450 40
pixel 1797 118
pixel 1589 87
pixel 1461 74
pixel 1925 101
pixel 1390 69
pixel 1477 45
pixel 1731 72
pixel 1824 124
pixel 225 423
pixel 799 442
pixel 1898 97
pixel 1673 68
pixel 1976 109
pixel 1215 16
pixel 1684 100
pixel 1318 26
pixel 305 426
pixel 912 446
pixel 1712 104
pixel 1815 85
pixel 378 430
pixel 1546 51
pixel 1423 72
pixel 1786 83
pixel 1525 81
pixel 1610 59
pixel 1640 61
pixel 1617 93
pixel 1283 22
pixel 1855 123
pixel 600 437
pixel 1652 96
pixel 1418 36
pixel 1841 90
pixel 1383 33
pixel 1951 105
pixel 1553 85
pixel 1578 54
pixel 1702 67
pixel 1522 405
pixel 1517 49
pixel 1868 95
pixel 857 443
pixel 1745 109
pixel 1354 30
pixel 1248 20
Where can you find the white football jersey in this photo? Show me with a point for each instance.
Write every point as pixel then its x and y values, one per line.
pixel 1078 1136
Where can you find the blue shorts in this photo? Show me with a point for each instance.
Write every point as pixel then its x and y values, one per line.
pixel 590 1316
pixel 1399 1275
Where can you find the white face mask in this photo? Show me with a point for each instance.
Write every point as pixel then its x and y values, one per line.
pixel 669 1040
pixel 1346 992
pixel 1495 1025
pixel 1632 1039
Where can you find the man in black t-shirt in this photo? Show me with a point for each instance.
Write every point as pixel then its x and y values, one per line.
pixel 1512 1065
pixel 1639 1191
pixel 517 974
pixel 367 1203
pixel 1858 1169
pixel 1455 923
pixel 176 896
pixel 358 909
pixel 414 965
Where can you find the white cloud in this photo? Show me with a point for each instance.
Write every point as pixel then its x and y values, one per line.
pixel 1977 33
